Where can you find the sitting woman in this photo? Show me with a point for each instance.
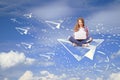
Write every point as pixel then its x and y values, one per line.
pixel 81 36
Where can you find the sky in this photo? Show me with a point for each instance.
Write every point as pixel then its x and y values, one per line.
pixel 29 46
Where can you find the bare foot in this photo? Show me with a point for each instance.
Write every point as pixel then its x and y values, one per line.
pixel 74 44
pixel 90 39
pixel 85 45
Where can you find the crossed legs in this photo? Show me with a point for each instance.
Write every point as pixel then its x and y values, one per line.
pixel 83 43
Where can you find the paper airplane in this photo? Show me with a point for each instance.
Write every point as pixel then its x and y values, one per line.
pixel 88 51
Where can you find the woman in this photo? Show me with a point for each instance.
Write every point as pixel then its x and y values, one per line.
pixel 81 35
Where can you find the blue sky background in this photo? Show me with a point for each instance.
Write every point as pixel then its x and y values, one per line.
pixel 29 49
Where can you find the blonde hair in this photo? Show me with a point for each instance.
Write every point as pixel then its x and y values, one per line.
pixel 77 26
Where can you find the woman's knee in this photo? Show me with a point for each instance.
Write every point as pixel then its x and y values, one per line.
pixel 71 38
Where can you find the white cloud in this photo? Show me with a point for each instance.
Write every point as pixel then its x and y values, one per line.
pixel 13 58
pixel 74 79
pixel 29 61
pixel 45 75
pixel 99 78
pixel 28 75
pixel 115 55
pixel 54 10
pixel 8 5
pixel 105 21
pixel 6 79
pixel 87 78
pixel 114 76
pixel 46 63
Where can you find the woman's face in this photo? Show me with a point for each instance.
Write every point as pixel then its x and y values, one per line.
pixel 80 23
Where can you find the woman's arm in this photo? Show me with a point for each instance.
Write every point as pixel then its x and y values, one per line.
pixel 87 32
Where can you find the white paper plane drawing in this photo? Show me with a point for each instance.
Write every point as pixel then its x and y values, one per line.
pixel 51 23
pixel 89 54
pixel 22 30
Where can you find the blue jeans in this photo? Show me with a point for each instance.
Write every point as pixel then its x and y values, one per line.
pixel 79 42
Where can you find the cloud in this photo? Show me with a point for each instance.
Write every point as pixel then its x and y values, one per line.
pixel 115 55
pixel 51 11
pixel 73 78
pixel 47 9
pixel 45 75
pixel 28 75
pixel 41 8
pixel 8 7
pixel 20 7
pixel 48 76
pixel 105 21
pixel 46 63
pixel 114 76
pixel 29 61
pixel 12 58
pixel 99 78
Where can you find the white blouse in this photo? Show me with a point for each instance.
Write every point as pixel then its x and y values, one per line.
pixel 81 34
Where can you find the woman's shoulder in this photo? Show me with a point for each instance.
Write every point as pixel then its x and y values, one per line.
pixel 85 27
